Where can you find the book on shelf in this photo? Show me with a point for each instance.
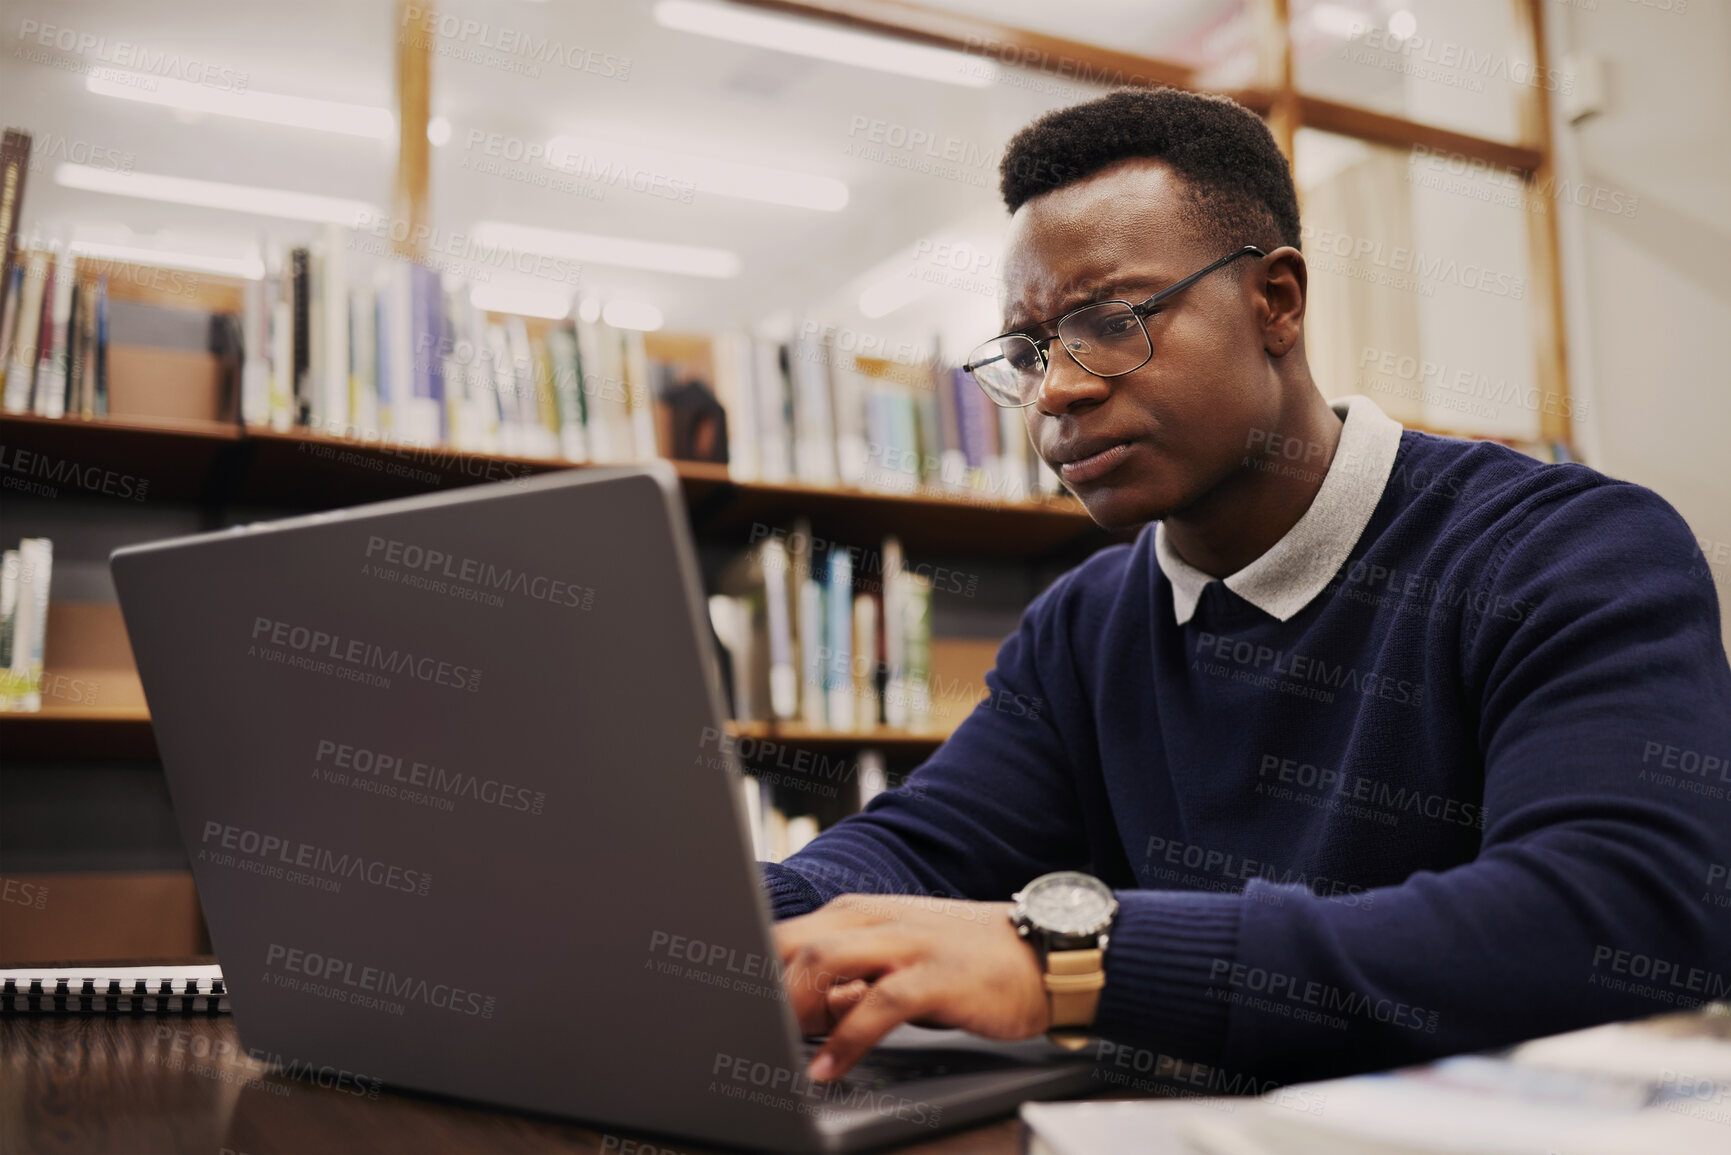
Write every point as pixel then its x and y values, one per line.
pixel 54 337
pixel 14 169
pixel 775 834
pixel 811 637
pixel 25 574
pixel 805 410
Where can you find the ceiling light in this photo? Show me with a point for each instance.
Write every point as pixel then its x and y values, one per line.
pixel 249 268
pixel 1402 24
pixel 523 300
pixel 267 107
pixel 632 315
pixel 670 170
pixel 656 256
pixel 240 198
pixel 439 131
pixel 883 297
pixel 823 42
pixel 1337 21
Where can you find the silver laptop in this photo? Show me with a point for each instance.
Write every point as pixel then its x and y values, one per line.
pixel 450 773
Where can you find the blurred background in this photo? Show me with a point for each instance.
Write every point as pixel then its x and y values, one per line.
pixel 271 258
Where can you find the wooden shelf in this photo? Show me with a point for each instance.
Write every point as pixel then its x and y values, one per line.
pixel 797 734
pixel 71 733
pixel 216 463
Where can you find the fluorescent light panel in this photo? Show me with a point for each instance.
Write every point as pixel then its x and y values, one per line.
pixel 776 186
pixel 836 45
pixel 249 268
pixel 526 301
pixel 266 107
pixel 632 315
pixel 656 256
pixel 240 198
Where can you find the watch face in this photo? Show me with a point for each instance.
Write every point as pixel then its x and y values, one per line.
pixel 1067 902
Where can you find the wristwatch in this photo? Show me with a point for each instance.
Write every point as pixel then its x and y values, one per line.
pixel 1065 916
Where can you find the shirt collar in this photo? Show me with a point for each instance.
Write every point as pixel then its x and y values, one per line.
pixel 1300 565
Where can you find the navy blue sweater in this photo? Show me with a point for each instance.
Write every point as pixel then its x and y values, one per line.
pixel 1478 790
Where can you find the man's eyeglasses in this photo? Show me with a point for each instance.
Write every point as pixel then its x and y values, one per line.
pixel 1107 338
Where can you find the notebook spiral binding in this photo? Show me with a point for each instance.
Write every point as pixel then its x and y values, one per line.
pixel 112 993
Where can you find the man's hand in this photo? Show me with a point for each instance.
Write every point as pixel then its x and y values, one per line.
pixel 865 963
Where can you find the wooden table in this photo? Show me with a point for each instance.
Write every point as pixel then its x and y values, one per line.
pixel 96 1084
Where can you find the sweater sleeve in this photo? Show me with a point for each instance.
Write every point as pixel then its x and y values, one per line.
pixel 1604 716
pixel 995 806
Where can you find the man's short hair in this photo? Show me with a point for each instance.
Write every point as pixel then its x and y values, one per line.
pixel 1240 184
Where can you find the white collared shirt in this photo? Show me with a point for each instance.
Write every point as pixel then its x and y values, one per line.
pixel 1300 565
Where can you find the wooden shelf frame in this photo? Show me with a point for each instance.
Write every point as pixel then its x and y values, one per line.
pixel 218 464
pixel 67 733
pixel 1277 97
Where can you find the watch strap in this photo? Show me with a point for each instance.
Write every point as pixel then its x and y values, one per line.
pixel 1074 979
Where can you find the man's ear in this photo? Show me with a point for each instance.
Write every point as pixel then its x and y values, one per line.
pixel 1283 288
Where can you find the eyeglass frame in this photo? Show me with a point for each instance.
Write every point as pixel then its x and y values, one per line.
pixel 1140 312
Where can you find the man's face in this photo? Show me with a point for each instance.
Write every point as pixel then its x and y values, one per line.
pixel 1178 426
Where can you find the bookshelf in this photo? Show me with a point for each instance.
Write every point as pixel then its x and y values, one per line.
pixel 71 732
pixel 216 463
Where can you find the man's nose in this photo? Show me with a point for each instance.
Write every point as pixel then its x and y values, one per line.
pixel 1067 384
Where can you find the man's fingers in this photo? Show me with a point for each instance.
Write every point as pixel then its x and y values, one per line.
pixel 890 1002
pixel 792 934
pixel 836 959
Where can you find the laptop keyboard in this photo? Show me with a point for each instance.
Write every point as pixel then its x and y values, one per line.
pixel 888 1066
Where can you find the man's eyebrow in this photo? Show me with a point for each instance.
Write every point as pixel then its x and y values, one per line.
pixel 1087 294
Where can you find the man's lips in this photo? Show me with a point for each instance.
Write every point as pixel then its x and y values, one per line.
pixel 1091 460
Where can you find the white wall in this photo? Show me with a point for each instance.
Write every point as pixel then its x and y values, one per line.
pixel 1648 289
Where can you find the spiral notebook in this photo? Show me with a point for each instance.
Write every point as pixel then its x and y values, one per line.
pixel 99 988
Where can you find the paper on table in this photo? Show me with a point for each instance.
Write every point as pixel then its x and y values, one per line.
pixel 1606 1091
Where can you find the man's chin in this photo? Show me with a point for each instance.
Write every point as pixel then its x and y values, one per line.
pixel 1124 507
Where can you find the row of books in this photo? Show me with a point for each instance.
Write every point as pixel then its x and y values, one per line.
pixel 776 834
pixel 406 356
pixel 836 638
pixel 25 574
pixel 53 337
pixel 807 410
